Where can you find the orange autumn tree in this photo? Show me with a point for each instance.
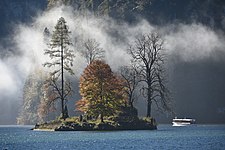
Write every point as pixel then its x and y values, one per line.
pixel 101 90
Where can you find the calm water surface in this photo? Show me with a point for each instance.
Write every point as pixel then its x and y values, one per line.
pixel 166 137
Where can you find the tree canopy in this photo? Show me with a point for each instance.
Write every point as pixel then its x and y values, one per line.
pixel 101 90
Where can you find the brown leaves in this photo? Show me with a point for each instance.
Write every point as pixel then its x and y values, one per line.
pixel 101 90
pixel 82 105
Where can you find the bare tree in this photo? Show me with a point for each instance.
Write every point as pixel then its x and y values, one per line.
pixel 92 51
pixel 149 56
pixel 61 61
pixel 131 78
pixel 51 92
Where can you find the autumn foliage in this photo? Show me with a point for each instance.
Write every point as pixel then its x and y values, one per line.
pixel 101 90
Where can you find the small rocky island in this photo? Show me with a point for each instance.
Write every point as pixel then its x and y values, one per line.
pixel 125 120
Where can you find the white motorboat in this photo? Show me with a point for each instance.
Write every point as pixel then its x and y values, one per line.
pixel 183 122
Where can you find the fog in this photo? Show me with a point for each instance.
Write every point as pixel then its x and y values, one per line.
pixel 195 59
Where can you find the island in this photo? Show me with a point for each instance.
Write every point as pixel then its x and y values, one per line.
pixel 104 105
pixel 125 120
pixel 106 95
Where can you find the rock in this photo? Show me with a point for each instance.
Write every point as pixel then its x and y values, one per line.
pixel 104 126
pixel 76 126
pixel 63 128
pixel 87 126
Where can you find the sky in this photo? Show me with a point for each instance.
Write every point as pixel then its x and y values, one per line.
pixel 195 63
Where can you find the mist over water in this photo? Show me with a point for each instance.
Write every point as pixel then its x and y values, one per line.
pixel 195 54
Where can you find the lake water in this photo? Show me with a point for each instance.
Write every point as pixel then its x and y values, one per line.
pixel 166 137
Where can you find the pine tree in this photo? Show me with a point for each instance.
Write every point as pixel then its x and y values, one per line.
pixel 61 60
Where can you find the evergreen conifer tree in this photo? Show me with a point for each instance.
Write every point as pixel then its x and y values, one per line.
pixel 61 60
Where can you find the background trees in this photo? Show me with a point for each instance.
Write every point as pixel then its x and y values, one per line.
pixel 61 60
pixel 101 90
pixel 149 56
pixel 31 98
pixel 120 9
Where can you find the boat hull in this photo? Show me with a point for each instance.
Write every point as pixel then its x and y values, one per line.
pixel 183 122
pixel 175 124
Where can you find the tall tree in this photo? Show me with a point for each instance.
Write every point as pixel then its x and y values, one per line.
pixel 61 60
pixel 92 51
pixel 149 56
pixel 101 90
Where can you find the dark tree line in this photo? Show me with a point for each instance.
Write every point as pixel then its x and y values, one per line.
pixel 159 12
pixel 120 9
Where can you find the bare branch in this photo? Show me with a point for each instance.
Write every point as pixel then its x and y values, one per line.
pixel 92 51
pixel 148 55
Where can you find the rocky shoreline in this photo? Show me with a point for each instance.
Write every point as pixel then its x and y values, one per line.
pixel 108 125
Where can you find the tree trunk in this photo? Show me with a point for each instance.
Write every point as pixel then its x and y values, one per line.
pixel 101 116
pixel 149 96
pixel 131 104
pixel 149 105
pixel 62 96
pixel 149 108
pixel 66 115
